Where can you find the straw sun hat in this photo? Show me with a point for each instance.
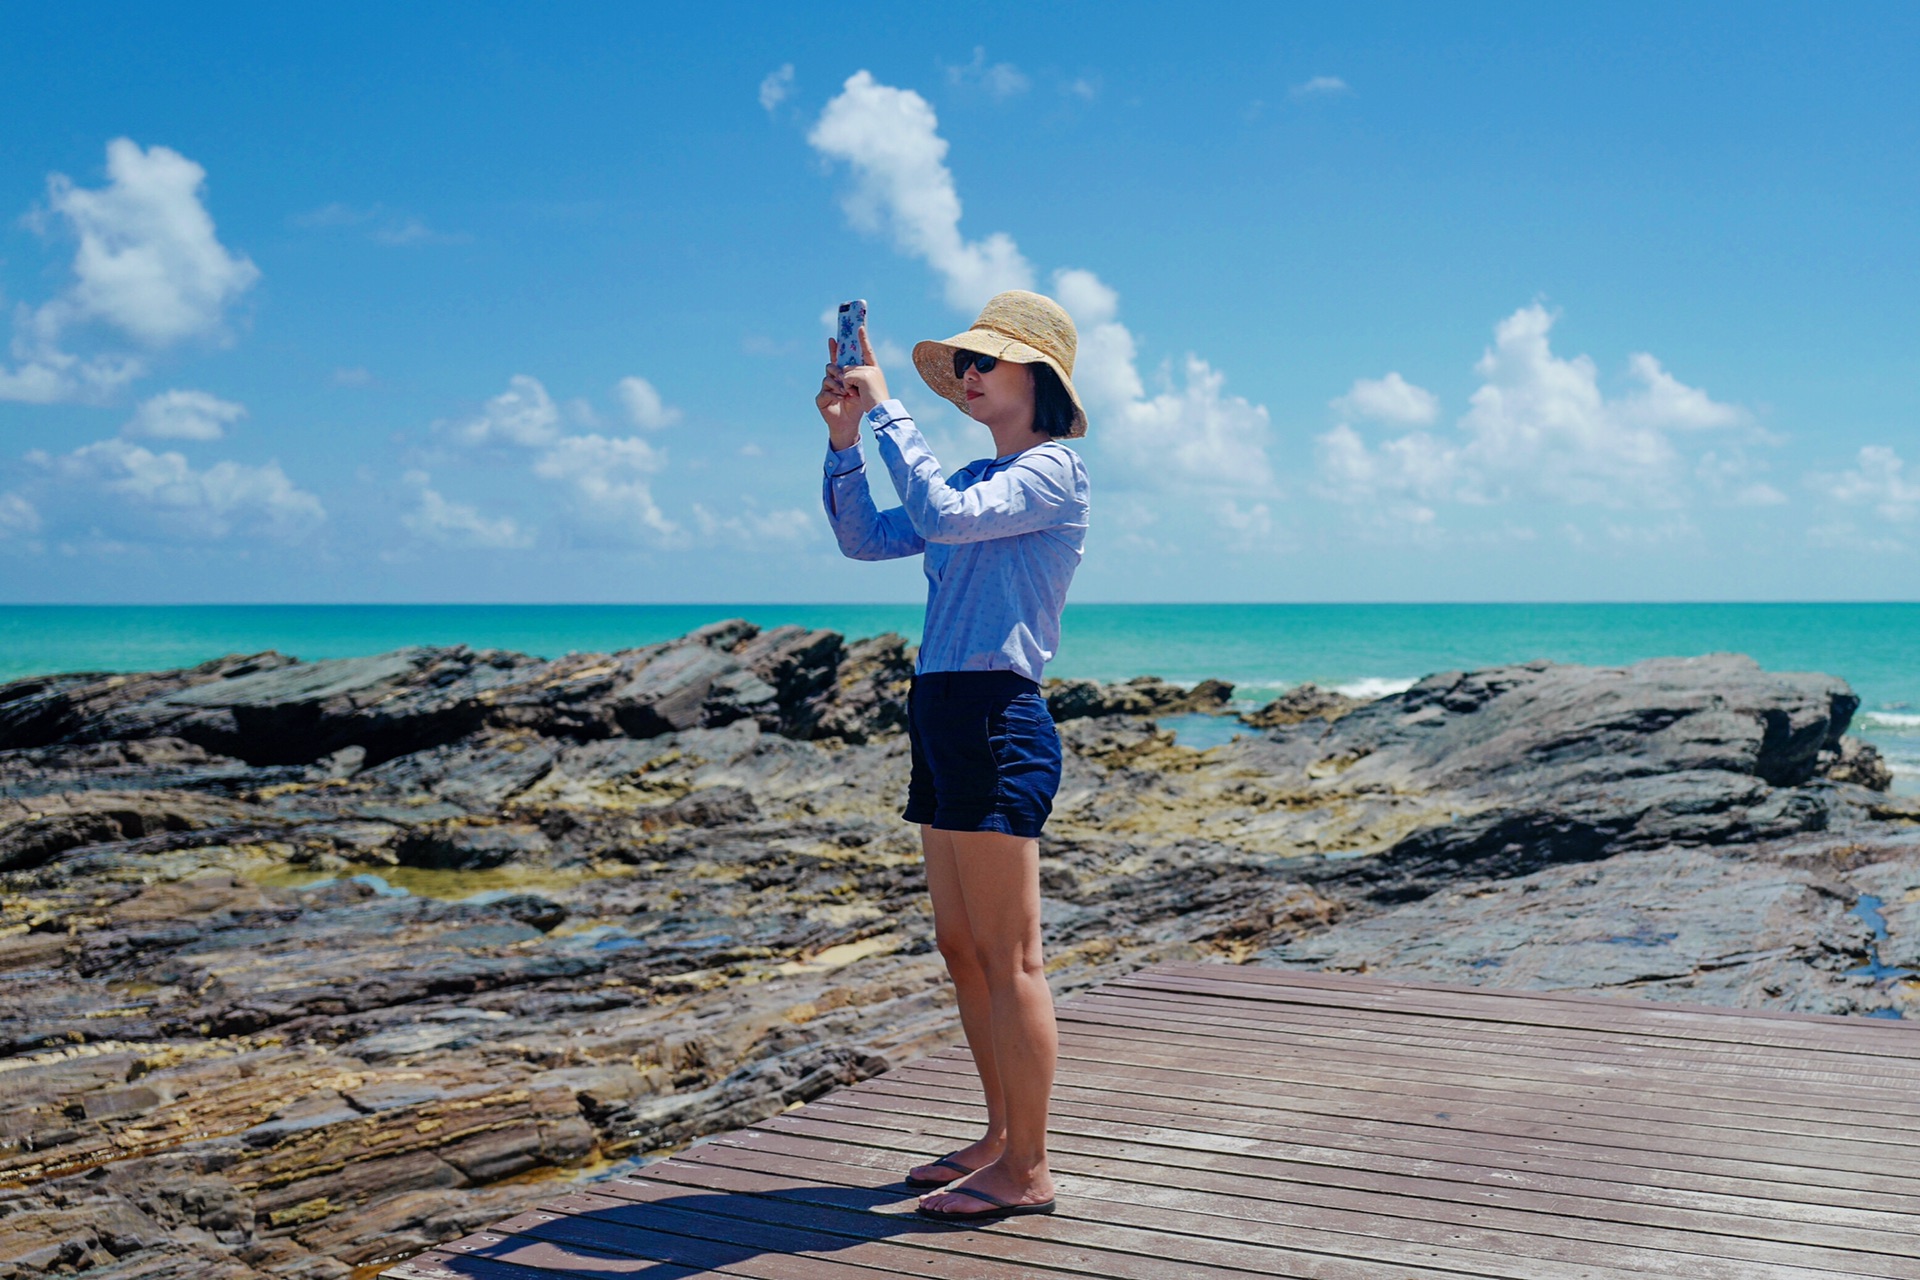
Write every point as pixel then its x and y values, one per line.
pixel 1018 326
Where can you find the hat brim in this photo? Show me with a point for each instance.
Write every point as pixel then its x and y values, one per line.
pixel 934 360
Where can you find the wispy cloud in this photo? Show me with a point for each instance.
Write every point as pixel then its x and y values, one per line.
pixel 1877 481
pixel 775 89
pixel 459 524
pixel 604 483
pixel 184 415
pixel 1319 87
pixel 377 223
pixel 130 491
pixel 999 80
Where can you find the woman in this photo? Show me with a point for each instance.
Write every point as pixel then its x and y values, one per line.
pixel 1000 540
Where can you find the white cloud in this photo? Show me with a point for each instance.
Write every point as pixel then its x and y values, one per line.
pixel 457 524
pixel 605 478
pixel 1320 87
pixel 1730 478
pixel 147 264
pixel 1250 523
pixel 1664 402
pixel 1402 477
pixel 1538 426
pixel 379 224
pixel 1389 399
pixel 1001 80
pixel 607 482
pixel 162 492
pixel 1191 434
pixel 1086 88
pixel 754 528
pixel 890 138
pixel 356 376
pixel 645 409
pixel 18 517
pixel 1541 422
pixel 47 375
pixel 1186 434
pixel 523 414
pixel 183 415
pixel 1878 480
pixel 775 88
pixel 148 261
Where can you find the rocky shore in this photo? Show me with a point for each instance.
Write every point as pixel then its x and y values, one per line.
pixel 308 965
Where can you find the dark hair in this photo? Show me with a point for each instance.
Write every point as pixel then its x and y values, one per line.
pixel 1052 406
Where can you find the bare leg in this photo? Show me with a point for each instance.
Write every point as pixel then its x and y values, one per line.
pixel 954 935
pixel 999 879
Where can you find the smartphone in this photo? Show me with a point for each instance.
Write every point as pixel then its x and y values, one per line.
pixel 852 316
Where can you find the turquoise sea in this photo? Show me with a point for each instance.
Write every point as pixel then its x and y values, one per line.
pixel 1264 649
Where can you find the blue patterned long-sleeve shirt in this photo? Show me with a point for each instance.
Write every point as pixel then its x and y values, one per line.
pixel 999 540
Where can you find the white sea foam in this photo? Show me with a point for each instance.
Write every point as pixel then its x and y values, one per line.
pixel 1891 719
pixel 1372 687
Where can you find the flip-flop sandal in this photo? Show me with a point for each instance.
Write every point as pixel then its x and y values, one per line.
pixel 1001 1208
pixel 949 1161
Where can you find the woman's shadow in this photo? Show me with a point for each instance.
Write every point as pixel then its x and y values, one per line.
pixel 636 1226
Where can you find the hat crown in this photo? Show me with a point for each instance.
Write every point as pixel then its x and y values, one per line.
pixel 1036 320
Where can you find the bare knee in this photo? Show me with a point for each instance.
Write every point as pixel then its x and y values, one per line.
pixel 957 949
pixel 1006 966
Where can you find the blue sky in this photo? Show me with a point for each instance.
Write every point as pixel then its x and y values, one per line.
pixel 1377 302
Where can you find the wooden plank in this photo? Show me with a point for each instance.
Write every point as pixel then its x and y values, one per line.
pixel 1524 1255
pixel 1433 1159
pixel 1161 1235
pixel 1757 1218
pixel 1387 1195
pixel 1837 1024
pixel 1151 1045
pixel 1496 1141
pixel 1215 1122
pixel 1615 1092
pixel 1343 1167
pixel 1873 1037
pixel 966 1114
pixel 1688 1254
pixel 1460 1109
pixel 1468 1037
pixel 1681 1022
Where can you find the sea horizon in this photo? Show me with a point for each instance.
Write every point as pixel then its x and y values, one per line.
pixel 1363 650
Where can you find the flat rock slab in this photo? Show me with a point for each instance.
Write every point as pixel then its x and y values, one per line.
pixel 1221 1121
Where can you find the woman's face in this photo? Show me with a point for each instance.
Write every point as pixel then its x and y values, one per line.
pixel 1001 397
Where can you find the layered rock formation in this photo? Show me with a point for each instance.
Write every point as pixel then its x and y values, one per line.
pixel 312 964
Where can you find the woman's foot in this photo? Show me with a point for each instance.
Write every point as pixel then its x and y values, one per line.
pixel 1006 1185
pixel 970 1158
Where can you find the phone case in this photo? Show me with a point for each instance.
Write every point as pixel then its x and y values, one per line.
pixel 852 316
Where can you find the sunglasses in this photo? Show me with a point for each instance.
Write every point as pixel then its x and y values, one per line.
pixel 964 360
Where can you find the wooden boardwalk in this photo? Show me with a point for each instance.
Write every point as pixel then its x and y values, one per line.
pixel 1213 1121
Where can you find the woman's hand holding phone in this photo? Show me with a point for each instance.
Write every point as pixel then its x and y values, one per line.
pixel 847 394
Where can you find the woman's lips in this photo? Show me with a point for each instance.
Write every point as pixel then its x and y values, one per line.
pixel 974 395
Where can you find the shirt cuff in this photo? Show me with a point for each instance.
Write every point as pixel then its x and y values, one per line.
pixel 841 462
pixel 886 413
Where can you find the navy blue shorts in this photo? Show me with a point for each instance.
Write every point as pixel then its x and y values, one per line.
pixel 986 756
